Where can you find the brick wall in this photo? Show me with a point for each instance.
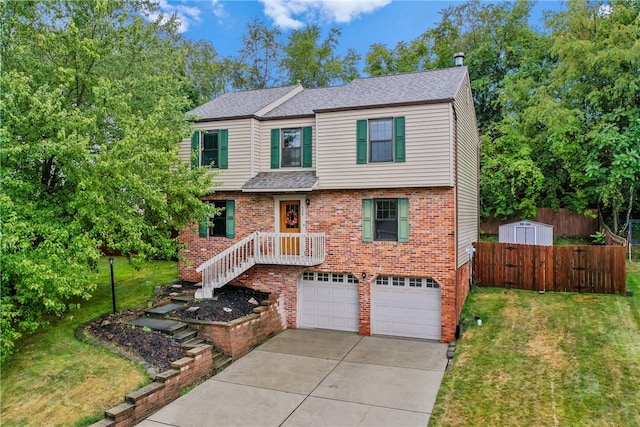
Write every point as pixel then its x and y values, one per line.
pixel 430 251
pixel 166 388
pixel 238 337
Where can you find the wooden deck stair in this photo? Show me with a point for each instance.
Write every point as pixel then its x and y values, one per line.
pixel 260 248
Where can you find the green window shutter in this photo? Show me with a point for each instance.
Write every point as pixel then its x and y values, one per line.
pixel 367 220
pixel 231 218
pixel 403 220
pixel 399 139
pixel 195 146
pixel 306 147
pixel 203 229
pixel 275 148
pixel 223 159
pixel 361 142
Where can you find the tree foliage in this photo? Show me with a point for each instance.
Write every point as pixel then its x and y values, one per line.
pixel 558 109
pixel 259 59
pixel 313 63
pixel 92 106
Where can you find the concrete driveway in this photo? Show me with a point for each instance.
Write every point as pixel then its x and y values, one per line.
pixel 311 377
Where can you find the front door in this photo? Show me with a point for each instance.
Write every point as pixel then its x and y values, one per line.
pixel 290 223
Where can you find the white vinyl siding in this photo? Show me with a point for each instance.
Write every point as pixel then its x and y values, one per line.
pixel 256 127
pixel 467 185
pixel 265 141
pixel 428 153
pixel 239 170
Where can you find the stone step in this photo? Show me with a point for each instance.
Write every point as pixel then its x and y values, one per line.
pixel 184 335
pixel 220 363
pixel 192 343
pixel 182 299
pixel 162 310
pixel 167 326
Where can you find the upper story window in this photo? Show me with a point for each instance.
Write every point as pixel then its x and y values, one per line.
pixel 380 140
pixel 291 147
pixel 210 148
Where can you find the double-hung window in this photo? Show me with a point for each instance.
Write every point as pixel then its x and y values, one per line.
pixel 385 220
pixel 210 148
pixel 291 148
pixel 222 224
pixel 380 140
pixel 385 224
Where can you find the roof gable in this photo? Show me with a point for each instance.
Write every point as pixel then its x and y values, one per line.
pixel 241 104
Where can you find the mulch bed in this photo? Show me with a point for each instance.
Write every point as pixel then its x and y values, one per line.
pixel 228 303
pixel 155 348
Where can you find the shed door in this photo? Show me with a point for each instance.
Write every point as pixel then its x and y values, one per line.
pixel 526 235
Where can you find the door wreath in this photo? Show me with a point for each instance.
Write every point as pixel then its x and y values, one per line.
pixel 291 218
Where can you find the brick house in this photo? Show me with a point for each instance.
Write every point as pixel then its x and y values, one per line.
pixel 357 204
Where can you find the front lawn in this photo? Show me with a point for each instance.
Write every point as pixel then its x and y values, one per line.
pixel 553 359
pixel 55 379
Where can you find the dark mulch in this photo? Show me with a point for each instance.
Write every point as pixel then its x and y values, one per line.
pixel 154 347
pixel 229 303
pixel 151 346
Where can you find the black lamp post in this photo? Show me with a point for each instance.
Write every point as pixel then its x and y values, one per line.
pixel 113 288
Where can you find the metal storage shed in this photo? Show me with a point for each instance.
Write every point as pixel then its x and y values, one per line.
pixel 526 233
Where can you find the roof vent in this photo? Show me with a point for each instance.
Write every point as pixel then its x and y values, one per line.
pixel 458 57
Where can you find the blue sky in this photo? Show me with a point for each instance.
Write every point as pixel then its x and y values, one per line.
pixel 362 22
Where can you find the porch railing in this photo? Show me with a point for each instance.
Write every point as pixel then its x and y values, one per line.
pixel 260 248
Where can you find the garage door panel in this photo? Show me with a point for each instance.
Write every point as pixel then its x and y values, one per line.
pixel 406 311
pixel 323 292
pixel 328 305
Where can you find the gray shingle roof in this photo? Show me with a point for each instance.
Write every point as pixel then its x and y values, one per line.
pixel 426 86
pixel 238 104
pixel 286 180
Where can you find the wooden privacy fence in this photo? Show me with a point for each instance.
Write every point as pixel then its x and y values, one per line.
pixel 593 269
pixel 565 222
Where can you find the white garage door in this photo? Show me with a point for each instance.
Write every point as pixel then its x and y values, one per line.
pixel 406 307
pixel 328 301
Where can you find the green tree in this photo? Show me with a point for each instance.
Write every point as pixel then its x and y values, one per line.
pixel 315 64
pixel 207 76
pixel 258 61
pixel 92 106
pixel 593 102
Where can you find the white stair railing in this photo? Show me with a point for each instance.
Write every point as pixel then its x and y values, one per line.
pixel 227 265
pixel 260 248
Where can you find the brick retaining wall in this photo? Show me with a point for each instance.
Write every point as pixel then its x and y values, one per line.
pixel 238 337
pixel 166 387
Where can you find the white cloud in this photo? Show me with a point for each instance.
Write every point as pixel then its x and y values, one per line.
pixel 217 8
pixel 292 14
pixel 186 14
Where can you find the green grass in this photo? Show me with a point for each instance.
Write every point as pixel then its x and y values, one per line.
pixel 545 359
pixel 55 379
